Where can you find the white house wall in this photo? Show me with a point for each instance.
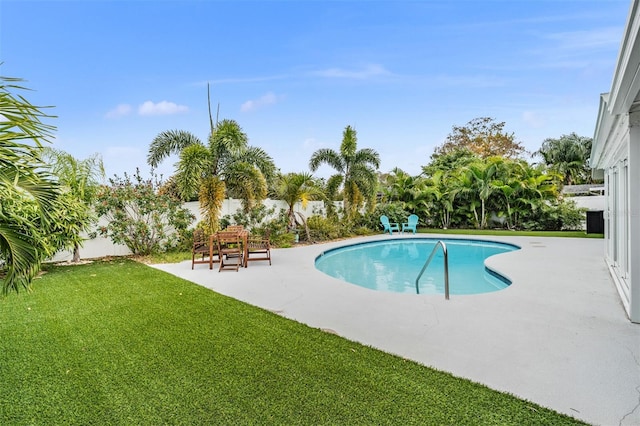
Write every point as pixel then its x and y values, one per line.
pixel 622 231
pixel 633 218
pixel 616 151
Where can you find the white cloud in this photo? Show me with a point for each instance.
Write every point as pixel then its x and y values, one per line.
pixel 161 108
pixel 371 70
pixel 119 111
pixel 268 99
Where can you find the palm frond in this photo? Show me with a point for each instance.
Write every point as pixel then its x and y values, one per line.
pixel 193 166
pixel 245 181
pixel 261 159
pixel 228 139
pixel 327 156
pixel 21 119
pixel 367 156
pixel 169 142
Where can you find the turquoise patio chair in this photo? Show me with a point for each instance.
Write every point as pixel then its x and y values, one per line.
pixel 389 226
pixel 411 224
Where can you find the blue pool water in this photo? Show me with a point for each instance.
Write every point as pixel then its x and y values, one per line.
pixel 393 265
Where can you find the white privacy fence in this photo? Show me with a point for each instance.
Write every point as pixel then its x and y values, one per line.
pixel 102 246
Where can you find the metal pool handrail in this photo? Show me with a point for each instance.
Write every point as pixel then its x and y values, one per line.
pixel 446 268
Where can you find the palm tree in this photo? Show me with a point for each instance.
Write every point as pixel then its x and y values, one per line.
pixel 27 194
pixel 294 187
pixel 398 185
pixel 536 189
pixel 416 193
pixel 331 190
pixel 356 170
pixel 443 187
pixel 568 156
pixel 443 175
pixel 79 179
pixel 477 183
pixel 227 166
pixel 508 182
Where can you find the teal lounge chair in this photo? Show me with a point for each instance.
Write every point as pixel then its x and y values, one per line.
pixel 389 226
pixel 411 224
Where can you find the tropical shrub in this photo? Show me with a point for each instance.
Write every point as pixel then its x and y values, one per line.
pixel 322 228
pixel 560 215
pixel 279 234
pixel 251 220
pixel 394 211
pixel 140 217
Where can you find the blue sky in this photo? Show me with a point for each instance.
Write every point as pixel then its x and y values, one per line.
pixel 295 73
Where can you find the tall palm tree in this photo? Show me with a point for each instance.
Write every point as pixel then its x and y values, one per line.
pixel 356 170
pixel 80 179
pixel 24 187
pixel 227 165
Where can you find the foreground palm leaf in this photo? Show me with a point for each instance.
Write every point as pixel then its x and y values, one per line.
pixel 27 194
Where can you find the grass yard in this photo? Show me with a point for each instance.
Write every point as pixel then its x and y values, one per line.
pixel 117 342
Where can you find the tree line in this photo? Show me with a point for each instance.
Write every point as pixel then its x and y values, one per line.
pixel 478 177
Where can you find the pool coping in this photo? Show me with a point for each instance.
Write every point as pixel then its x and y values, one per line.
pixel 558 335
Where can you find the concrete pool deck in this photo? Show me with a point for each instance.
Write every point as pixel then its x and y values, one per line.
pixel 558 336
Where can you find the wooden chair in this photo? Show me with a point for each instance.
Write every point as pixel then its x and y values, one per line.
pixel 259 248
pixel 214 256
pixel 201 249
pixel 229 250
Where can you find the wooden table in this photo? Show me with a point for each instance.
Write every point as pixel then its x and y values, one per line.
pixel 244 237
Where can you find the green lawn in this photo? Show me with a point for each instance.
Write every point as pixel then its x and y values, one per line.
pixel 122 343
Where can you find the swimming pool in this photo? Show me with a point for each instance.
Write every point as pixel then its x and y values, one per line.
pixel 393 264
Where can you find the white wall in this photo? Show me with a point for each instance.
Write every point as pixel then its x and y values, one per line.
pixel 591 203
pixel 616 151
pixel 101 247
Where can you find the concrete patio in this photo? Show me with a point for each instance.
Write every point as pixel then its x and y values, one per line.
pixel 557 336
